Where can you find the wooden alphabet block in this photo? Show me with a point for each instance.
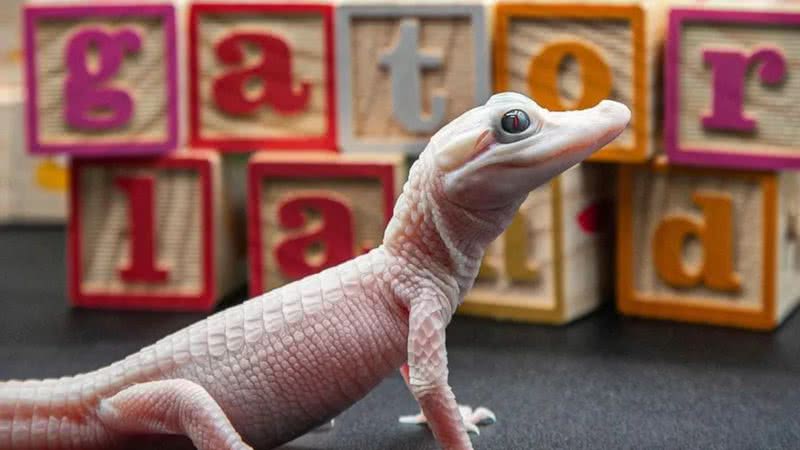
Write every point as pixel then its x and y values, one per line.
pixel 405 70
pixel 101 80
pixel 151 234
pixel 552 265
pixel 11 44
pixel 572 55
pixel 32 188
pixel 732 86
pixel 311 211
pixel 261 76
pixel 708 245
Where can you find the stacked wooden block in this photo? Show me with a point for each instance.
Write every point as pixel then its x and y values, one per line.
pixel 32 188
pixel 326 100
pixel 716 242
pixel 555 263
pixel 149 226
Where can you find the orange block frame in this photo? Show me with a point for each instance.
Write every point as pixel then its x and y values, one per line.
pixel 691 307
pixel 505 13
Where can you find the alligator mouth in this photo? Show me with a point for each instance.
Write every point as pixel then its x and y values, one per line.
pixel 482 144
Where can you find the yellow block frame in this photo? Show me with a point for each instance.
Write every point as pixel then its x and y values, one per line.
pixel 484 306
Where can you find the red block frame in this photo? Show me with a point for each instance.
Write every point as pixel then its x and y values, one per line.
pixel 204 301
pixel 231 144
pixel 258 170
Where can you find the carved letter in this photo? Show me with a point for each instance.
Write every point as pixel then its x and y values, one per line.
pixel 714 230
pixel 89 105
pixel 405 63
pixel 543 73
pixel 274 70
pixel 141 200
pixel 515 254
pixel 729 69
pixel 334 234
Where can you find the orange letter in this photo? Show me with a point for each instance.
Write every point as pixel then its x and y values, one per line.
pixel 515 254
pixel 714 230
pixel 543 73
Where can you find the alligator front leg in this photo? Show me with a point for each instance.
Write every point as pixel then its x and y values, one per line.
pixel 469 416
pixel 427 372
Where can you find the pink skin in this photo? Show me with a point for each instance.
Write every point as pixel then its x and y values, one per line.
pixel 260 374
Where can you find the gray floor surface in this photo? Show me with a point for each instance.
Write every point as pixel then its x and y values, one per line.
pixel 603 382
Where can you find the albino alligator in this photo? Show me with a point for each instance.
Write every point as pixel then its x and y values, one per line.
pixel 261 373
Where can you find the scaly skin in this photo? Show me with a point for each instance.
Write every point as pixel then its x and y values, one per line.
pixel 268 370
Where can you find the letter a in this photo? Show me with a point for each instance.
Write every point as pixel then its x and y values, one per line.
pixel 404 63
pixel 274 70
pixel 334 235
pixel 715 233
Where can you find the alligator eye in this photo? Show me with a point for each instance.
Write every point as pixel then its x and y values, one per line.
pixel 515 121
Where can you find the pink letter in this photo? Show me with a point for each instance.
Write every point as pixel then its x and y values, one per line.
pixel 729 69
pixel 88 105
pixel 142 267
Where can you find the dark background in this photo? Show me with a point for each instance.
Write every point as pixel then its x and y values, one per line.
pixel 602 382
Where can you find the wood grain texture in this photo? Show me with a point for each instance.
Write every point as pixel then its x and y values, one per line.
pixel 588 236
pixel 143 75
pixel 788 241
pixel 11 44
pixel 304 33
pixel 624 35
pixel 364 198
pixel 194 234
pixel 649 197
pixel 773 106
pixel 32 188
pixel 540 293
pixel 6 144
pixel 106 239
pixel 571 278
pixel 657 196
pixel 364 185
pixel 371 91
pixel 613 36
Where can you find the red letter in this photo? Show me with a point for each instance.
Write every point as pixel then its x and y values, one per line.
pixel 142 267
pixel 334 234
pixel 274 70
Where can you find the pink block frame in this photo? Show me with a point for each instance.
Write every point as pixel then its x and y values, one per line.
pixel 712 156
pixel 33 14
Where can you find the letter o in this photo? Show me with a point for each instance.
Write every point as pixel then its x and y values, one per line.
pixel 543 72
